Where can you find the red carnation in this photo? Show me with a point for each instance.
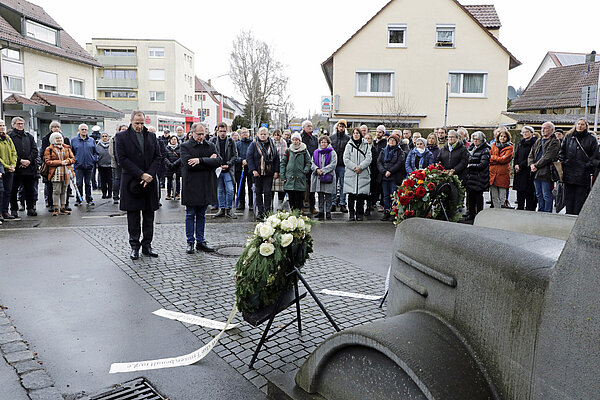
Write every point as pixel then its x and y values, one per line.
pixel 420 192
pixel 409 213
pixel 430 186
pixel 404 200
pixel 410 194
pixel 409 183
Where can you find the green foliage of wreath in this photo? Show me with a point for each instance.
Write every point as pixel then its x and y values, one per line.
pixel 263 269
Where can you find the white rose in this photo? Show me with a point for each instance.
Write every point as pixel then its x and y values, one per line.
pixel 257 228
pixel 273 221
pixel 301 224
pixel 286 225
pixel 286 239
pixel 266 231
pixel 266 249
pixel 293 221
pixel 307 228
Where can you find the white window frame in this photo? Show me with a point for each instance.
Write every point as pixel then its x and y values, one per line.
pixel 152 74
pixel 72 86
pixel 462 74
pixel 374 71
pixel 445 27
pixel 154 94
pixel 31 28
pixel 153 50
pixel 396 27
pixel 44 83
pixel 6 83
pixel 6 54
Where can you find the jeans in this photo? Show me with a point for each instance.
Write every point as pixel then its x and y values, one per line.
pixel 389 187
pixel 543 192
pixel 84 176
pixel 195 219
pixel 7 179
pixel 225 190
pixel 116 183
pixel 340 171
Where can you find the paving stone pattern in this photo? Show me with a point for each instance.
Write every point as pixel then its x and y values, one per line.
pixel 203 284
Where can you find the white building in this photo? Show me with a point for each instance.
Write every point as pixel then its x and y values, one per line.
pixel 155 76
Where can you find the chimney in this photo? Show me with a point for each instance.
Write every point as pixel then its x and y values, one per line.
pixel 590 59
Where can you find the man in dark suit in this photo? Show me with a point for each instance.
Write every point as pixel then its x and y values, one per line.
pixel 139 157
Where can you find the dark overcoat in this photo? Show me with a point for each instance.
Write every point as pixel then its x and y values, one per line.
pixel 523 180
pixel 199 183
pixel 133 164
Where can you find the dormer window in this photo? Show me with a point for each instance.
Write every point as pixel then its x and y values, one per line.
pixel 444 35
pixel 396 35
pixel 41 33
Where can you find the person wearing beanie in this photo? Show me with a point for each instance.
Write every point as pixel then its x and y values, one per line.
pixel 59 158
pixel 339 140
pixel 294 167
pixel 390 165
pixel 312 143
pixel 419 157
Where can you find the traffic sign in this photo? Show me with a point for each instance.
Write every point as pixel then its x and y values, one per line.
pixel 588 95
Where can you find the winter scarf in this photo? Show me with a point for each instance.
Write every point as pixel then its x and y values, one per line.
pixel 266 151
pixel 389 152
pixel 297 148
pixel 317 156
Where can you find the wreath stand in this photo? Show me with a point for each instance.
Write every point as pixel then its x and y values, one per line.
pixel 288 297
pixel 445 187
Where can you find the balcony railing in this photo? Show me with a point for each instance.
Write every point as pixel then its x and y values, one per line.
pixel 103 83
pixel 121 61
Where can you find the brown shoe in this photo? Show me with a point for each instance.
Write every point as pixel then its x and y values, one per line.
pixel 65 212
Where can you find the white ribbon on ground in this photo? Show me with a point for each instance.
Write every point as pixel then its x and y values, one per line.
pixel 187 359
pixel 193 319
pixel 350 294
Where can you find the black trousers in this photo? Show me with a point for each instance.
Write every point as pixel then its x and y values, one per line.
pixel 526 200
pixel 296 199
pixel 146 218
pixel 474 202
pixel 28 182
pixel 106 181
pixel 357 202
pixel 575 197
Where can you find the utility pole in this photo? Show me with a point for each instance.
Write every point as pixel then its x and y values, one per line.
pixel 446 108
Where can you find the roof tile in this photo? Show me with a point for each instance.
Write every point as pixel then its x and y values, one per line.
pixel 485 14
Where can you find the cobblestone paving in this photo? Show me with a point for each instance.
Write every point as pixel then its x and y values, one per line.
pixel 203 284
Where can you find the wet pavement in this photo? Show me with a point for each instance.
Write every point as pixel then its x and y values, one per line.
pixel 81 304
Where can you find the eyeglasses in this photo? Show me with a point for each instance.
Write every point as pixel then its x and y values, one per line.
pixel 83 129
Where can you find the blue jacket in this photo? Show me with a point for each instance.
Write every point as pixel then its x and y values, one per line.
pixel 425 161
pixel 85 152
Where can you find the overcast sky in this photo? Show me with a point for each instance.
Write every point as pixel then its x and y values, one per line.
pixel 305 33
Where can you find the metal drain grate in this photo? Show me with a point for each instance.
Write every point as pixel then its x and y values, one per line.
pixel 229 250
pixel 137 389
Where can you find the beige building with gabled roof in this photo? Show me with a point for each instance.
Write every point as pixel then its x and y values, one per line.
pixel 395 69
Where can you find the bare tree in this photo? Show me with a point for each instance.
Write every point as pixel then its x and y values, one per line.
pixel 395 111
pixel 256 73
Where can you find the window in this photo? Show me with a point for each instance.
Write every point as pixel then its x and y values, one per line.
pixel 205 112
pixel 76 87
pixel 156 74
pixel 13 84
pixel 11 54
pixel 41 32
pixel 468 84
pixel 119 52
pixel 200 97
pixel 119 74
pixel 120 94
pixel 47 81
pixel 157 96
pixel 156 52
pixel 396 35
pixel 444 36
pixel 374 83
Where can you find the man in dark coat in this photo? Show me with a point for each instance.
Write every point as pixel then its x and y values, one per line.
pixel 541 157
pixel 339 140
pixel 226 182
pixel 139 156
pixel 199 160
pixel 242 165
pixel 309 138
pixel 27 168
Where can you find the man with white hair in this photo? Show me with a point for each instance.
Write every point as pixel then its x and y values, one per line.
pixel 86 155
pixel 541 158
pixel 180 132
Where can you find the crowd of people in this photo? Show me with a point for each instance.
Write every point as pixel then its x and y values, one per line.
pixel 351 170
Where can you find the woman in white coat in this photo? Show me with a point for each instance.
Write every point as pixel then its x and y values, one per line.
pixel 357 180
